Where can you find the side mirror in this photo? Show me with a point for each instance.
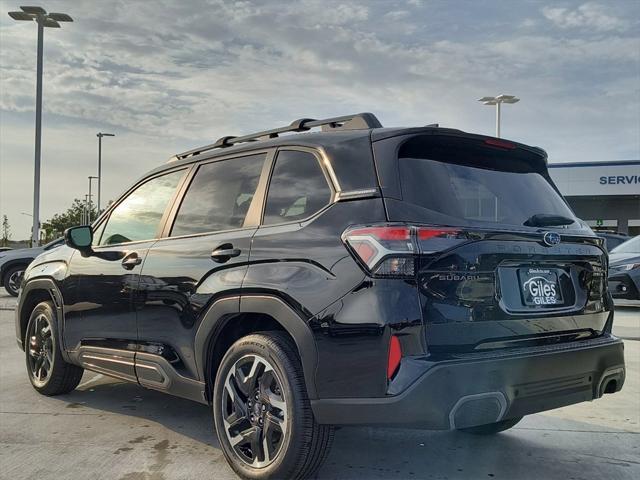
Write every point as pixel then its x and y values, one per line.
pixel 79 238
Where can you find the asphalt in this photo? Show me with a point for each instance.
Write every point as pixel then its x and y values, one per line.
pixel 112 430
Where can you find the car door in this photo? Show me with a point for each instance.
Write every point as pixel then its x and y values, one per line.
pixel 202 257
pixel 99 288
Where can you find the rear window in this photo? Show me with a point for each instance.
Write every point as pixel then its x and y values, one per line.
pixel 460 188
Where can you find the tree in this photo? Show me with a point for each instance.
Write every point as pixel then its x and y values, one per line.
pixel 56 225
pixel 6 231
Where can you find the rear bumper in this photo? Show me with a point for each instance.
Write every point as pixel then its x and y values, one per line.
pixel 482 388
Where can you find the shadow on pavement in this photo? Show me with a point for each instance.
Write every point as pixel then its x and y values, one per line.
pixel 530 451
pixel 188 418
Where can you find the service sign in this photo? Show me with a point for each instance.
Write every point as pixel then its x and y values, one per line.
pixel 606 178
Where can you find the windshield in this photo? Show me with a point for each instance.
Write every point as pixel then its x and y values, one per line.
pixel 630 246
pixel 468 194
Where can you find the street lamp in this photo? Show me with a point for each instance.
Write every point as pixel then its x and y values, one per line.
pixel 497 101
pixel 50 20
pixel 100 135
pixel 90 177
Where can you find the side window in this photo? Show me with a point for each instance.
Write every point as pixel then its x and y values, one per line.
pixel 219 196
pixel 138 216
pixel 298 188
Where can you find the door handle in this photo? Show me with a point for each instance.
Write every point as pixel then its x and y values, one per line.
pixel 224 252
pixel 131 260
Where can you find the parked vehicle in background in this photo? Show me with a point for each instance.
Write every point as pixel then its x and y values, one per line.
pixel 4 249
pixel 361 275
pixel 624 270
pixel 612 240
pixel 14 262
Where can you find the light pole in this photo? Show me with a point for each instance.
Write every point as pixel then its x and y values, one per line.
pixel 497 101
pixel 90 177
pixel 86 210
pixel 100 135
pixel 43 19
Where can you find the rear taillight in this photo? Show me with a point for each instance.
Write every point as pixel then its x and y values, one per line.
pixel 391 250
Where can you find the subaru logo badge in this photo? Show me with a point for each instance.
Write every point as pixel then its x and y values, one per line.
pixel 551 238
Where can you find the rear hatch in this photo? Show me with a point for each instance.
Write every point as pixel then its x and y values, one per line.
pixel 513 266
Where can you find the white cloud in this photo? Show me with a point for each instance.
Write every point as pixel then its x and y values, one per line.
pixel 397 15
pixel 169 75
pixel 587 16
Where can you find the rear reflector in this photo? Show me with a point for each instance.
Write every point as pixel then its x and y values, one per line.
pixel 395 355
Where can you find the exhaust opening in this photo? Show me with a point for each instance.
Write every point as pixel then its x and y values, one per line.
pixel 611 386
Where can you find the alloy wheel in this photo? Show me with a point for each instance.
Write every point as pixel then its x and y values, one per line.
pixel 40 356
pixel 254 411
pixel 14 280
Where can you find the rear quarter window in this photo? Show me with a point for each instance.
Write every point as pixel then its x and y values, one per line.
pixel 298 188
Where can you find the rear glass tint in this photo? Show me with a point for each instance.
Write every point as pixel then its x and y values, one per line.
pixel 469 186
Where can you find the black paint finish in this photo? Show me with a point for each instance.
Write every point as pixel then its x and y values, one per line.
pixel 179 281
pixel 165 312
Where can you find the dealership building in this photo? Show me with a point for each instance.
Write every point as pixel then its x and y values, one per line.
pixel 604 194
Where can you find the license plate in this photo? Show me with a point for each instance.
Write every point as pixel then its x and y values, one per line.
pixel 539 286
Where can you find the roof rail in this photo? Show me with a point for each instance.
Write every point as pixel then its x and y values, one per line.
pixel 359 121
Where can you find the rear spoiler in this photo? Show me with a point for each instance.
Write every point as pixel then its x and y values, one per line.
pixel 385 133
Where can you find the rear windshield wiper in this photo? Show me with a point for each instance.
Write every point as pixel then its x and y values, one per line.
pixel 547 220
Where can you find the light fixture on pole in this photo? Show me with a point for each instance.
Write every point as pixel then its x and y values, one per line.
pixel 44 20
pixel 100 135
pixel 497 101
pixel 90 177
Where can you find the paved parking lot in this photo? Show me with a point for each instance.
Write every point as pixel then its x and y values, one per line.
pixel 112 430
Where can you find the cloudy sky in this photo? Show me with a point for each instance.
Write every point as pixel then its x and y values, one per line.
pixel 165 76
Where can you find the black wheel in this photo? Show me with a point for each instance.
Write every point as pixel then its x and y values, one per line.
pixel 262 414
pixel 13 279
pixel 492 428
pixel 48 372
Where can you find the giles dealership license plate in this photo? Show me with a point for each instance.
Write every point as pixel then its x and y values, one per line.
pixel 539 286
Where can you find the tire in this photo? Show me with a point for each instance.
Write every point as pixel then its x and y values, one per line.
pixel 492 428
pixel 267 409
pixel 12 279
pixel 48 372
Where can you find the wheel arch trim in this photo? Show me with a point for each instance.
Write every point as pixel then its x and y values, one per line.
pixel 47 285
pixel 221 313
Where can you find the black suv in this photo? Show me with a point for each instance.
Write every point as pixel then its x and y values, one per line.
pixel 420 277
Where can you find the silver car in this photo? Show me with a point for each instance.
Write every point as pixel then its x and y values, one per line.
pixel 14 262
